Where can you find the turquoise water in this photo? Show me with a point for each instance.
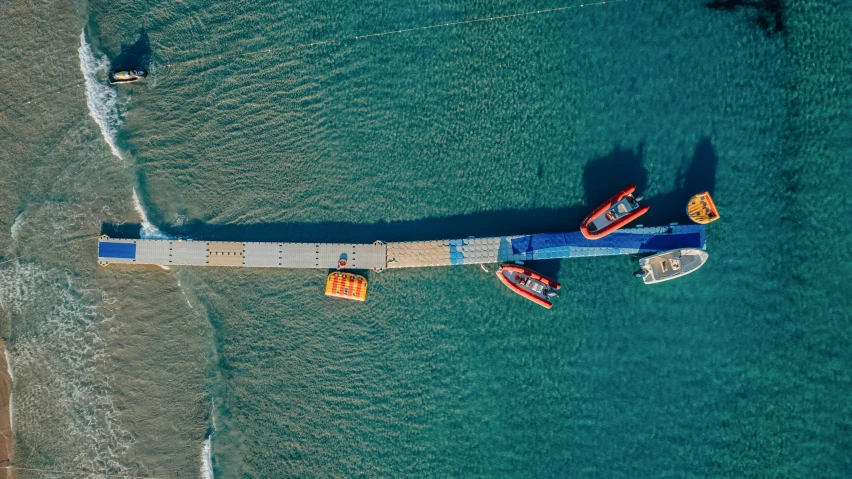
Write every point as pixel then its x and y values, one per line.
pixel 250 128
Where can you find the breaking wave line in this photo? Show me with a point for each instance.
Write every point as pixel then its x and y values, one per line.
pixel 16 226
pixel 103 108
pixel 101 99
pixel 206 461
pixel 149 231
pixel 60 361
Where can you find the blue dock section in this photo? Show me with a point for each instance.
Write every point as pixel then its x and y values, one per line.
pixel 627 241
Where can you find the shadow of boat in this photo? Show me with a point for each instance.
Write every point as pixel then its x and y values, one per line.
pixel 134 55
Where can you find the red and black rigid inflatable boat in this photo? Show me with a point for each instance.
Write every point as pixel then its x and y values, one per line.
pixel 529 284
pixel 616 212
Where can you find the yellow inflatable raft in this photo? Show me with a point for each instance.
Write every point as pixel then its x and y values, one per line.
pixel 701 209
pixel 346 285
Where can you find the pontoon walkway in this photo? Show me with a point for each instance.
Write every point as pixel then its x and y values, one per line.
pixel 413 254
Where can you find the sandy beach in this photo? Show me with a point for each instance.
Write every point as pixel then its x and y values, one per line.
pixel 5 418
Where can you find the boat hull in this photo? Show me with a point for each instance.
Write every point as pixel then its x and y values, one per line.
pixel 672 264
pixel 126 76
pixel 615 225
pixel 516 278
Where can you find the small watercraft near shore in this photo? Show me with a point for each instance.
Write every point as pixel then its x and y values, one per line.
pixel 616 212
pixel 701 209
pixel 127 76
pixel 670 265
pixel 529 284
pixel 350 286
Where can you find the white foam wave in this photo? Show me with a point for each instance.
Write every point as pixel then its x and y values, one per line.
pixel 102 101
pixel 16 226
pixel 206 461
pixel 60 360
pixel 100 98
pixel 17 285
pixel 12 410
pixel 11 393
pixel 185 297
pixel 149 231
pixel 8 364
pixel 207 445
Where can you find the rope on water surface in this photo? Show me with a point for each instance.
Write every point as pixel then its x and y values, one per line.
pixel 404 30
pixel 487 19
pixel 77 473
pixel 172 64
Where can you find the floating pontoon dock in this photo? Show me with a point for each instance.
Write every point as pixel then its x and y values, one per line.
pixel 412 254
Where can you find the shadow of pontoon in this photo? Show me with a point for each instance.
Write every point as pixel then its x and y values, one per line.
pixel 768 14
pixel 602 177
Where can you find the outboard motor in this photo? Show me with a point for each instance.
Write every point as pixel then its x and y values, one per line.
pixel 638 198
pixel 640 273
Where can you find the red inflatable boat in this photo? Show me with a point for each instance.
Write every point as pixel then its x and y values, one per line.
pixel 613 214
pixel 529 284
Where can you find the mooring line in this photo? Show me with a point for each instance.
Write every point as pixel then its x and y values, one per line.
pixel 400 31
pixel 78 473
pixel 177 64
pixel 486 19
